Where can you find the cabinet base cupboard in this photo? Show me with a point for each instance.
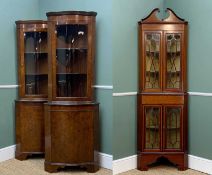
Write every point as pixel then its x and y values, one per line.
pixel 71 132
pixel 162 97
pixel 29 128
pixel 163 119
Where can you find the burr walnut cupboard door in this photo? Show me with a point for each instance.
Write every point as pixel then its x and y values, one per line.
pixel 70 129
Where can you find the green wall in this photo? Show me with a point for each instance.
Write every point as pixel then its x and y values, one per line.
pixel 10 11
pixel 126 15
pixel 103 56
pixel 198 15
pixel 7 120
pixel 116 64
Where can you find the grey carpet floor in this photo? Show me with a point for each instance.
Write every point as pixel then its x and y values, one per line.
pixel 35 167
pixel 163 170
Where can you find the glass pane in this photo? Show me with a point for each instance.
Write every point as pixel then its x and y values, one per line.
pixel 72 36
pixel 173 61
pixel 152 44
pixel 35 42
pixel 36 63
pixel 71 60
pixel 173 127
pixel 152 139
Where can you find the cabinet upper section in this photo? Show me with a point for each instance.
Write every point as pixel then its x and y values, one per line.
pixel 71 38
pixel 162 53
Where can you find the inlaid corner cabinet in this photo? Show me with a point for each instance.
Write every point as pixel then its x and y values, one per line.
pixel 71 114
pixel 162 97
pixel 33 87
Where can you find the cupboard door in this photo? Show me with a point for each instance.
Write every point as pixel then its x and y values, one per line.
pixel 35 63
pixel 173 55
pixel 152 61
pixel 172 127
pixel 152 128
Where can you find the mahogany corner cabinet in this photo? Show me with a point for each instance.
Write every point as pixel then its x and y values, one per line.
pixel 71 114
pixel 162 98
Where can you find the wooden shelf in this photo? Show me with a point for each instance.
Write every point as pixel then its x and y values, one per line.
pixel 152 127
pixel 152 72
pixel 36 53
pixel 71 74
pixel 173 128
pixel 46 74
pixel 176 72
pixel 35 95
pixel 76 48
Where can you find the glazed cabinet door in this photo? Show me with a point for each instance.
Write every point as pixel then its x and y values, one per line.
pixel 151 61
pixel 173 61
pixel 152 128
pixel 34 63
pixel 172 128
pixel 72 62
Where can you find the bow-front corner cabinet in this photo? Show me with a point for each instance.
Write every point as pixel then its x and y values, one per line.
pixel 71 114
pixel 162 97
pixel 33 87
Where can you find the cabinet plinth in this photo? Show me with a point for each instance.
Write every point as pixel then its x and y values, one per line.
pixel 33 81
pixel 162 98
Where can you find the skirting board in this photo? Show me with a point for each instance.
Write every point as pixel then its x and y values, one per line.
pixel 9 153
pixel 106 161
pixel 124 164
pixel 194 162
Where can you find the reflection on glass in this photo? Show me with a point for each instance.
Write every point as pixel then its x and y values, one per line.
pixel 152 139
pixel 35 59
pixel 72 36
pixel 152 44
pixel 35 42
pixel 173 127
pixel 71 60
pixel 173 61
